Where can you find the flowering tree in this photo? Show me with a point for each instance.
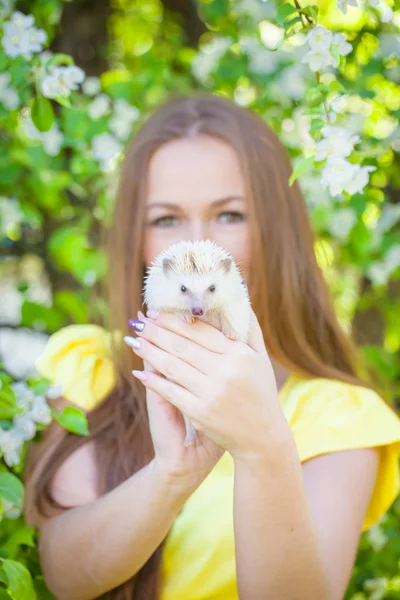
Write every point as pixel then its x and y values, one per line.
pixel 325 77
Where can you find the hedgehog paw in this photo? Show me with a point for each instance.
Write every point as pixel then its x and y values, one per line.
pixel 231 335
pixel 187 317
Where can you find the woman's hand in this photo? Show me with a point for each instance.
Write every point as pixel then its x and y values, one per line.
pixel 188 466
pixel 225 387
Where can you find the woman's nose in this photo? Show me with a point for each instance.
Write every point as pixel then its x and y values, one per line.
pixel 199 231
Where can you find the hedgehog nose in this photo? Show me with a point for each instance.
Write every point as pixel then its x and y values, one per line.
pixel 197 311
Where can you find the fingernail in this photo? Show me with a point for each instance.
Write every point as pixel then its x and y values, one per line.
pixel 152 314
pixel 137 325
pixel 132 342
pixel 140 375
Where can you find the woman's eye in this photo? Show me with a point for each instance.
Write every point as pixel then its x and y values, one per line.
pixel 167 221
pixel 231 217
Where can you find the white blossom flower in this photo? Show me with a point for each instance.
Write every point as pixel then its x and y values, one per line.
pixel 91 86
pixel 343 4
pixel 10 510
pixel 10 214
pixel 339 103
pixel 385 12
pixel 21 38
pixel 338 141
pixel 339 40
pixel 61 81
pixel 54 391
pixel 90 277
pixel 378 587
pixel 124 115
pixel 99 107
pixel 51 140
pixel 340 176
pixel 6 8
pixel 342 222
pixel 261 60
pixel 378 273
pixel 8 94
pixel 11 444
pixel 319 38
pixel 40 411
pixel 106 149
pixel 208 57
pixel 318 59
pixel 292 81
pixel 392 258
pixel 256 9
pixel 24 426
pixel 10 99
pixel 390 216
pixel 322 43
pixel 24 395
pixel 377 537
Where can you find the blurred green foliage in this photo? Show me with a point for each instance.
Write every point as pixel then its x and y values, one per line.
pixel 58 183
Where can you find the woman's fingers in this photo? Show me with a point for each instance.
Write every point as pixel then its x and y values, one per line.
pixel 184 400
pixel 193 354
pixel 171 367
pixel 199 332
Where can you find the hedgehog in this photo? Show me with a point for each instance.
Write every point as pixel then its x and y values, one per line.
pixel 200 280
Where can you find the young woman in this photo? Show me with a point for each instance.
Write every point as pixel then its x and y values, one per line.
pixel 296 456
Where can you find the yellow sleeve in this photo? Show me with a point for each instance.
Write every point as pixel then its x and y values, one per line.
pixel 327 416
pixel 78 357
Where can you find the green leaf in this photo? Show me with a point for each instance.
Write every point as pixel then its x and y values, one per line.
pixel 42 114
pixel 60 59
pixel 8 406
pixel 288 24
pixel 283 12
pixel 64 101
pixel 73 420
pixel 317 124
pixel 18 580
pixel 311 11
pixel 11 489
pixel 302 166
pixel 22 536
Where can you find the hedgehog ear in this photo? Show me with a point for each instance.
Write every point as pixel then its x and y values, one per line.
pixel 226 264
pixel 167 265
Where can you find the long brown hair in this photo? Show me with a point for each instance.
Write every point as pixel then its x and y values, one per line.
pixel 287 288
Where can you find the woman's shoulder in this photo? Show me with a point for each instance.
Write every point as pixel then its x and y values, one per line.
pixel 325 396
pixel 328 415
pixel 78 359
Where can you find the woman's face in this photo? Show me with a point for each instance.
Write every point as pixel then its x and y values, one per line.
pixel 196 191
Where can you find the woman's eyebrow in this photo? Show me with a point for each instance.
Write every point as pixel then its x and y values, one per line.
pixel 176 207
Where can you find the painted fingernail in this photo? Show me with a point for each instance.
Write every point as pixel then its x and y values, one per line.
pixel 137 325
pixel 132 342
pixel 152 314
pixel 140 375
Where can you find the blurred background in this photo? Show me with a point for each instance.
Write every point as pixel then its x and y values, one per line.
pixel 77 78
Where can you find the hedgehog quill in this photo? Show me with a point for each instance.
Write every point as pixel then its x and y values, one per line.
pixel 199 280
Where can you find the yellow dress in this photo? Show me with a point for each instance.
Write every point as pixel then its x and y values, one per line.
pixel 324 415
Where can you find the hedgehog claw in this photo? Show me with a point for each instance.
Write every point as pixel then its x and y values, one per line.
pixel 231 335
pixel 188 318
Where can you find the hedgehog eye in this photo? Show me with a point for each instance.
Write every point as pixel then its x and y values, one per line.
pixel 211 288
pixel 183 288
